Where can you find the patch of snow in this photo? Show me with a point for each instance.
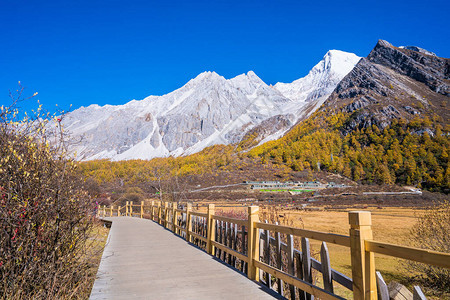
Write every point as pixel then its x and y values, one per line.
pixel 322 79
pixel 273 136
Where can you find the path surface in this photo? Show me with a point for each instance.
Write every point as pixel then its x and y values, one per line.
pixel 142 260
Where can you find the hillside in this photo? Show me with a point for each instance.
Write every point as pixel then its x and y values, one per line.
pixel 393 83
pixel 386 122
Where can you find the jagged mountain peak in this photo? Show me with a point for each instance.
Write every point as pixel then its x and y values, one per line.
pixel 418 49
pixel 208 79
pixel 338 61
pixel 334 65
pixel 207 76
pixel 251 75
pixel 333 56
pixel 383 43
pixel 333 61
pixel 244 81
pixel 393 83
pixel 431 70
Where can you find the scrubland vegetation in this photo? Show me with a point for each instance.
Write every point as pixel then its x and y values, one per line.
pixel 47 243
pixel 432 231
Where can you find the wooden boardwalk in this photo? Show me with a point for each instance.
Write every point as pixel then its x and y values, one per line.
pixel 142 260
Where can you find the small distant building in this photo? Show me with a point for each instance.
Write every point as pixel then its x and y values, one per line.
pixel 311 185
pixel 335 185
pixel 257 185
pixel 261 182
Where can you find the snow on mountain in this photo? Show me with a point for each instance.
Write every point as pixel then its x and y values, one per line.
pixel 207 110
pixel 418 49
pixel 322 79
pixel 310 92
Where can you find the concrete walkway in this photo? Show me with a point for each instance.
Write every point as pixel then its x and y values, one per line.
pixel 142 260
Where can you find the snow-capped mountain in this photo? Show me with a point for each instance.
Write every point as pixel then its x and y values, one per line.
pixel 208 110
pixel 322 79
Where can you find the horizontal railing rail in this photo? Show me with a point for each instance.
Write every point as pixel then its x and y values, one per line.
pixel 338 239
pixel 233 252
pixel 428 257
pixel 199 214
pixel 231 220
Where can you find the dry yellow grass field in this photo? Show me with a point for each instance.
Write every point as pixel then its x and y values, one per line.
pixel 97 237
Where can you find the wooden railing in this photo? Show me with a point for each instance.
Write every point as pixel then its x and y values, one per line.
pixel 247 245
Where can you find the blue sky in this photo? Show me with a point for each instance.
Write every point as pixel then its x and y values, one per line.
pixel 109 52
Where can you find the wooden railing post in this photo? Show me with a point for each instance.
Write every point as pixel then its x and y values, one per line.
pixel 253 243
pixel 166 217
pixel 174 217
pixel 188 222
pixel 104 211
pixel 363 263
pixel 118 211
pixel 111 210
pixel 142 209
pixel 131 208
pixel 126 209
pixel 151 210
pixel 159 212
pixel 163 216
pixel 211 228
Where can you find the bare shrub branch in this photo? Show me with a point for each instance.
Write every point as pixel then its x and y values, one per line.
pixel 45 216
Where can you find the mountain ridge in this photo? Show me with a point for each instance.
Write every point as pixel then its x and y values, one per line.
pixel 393 83
pixel 207 110
pixel 386 122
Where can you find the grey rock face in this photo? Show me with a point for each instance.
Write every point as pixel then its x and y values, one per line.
pixel 422 131
pixel 276 125
pixel 418 49
pixel 431 70
pixel 411 110
pixel 103 134
pixel 392 83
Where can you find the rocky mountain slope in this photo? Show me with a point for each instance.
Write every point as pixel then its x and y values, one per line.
pixel 393 83
pixel 386 122
pixel 208 110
